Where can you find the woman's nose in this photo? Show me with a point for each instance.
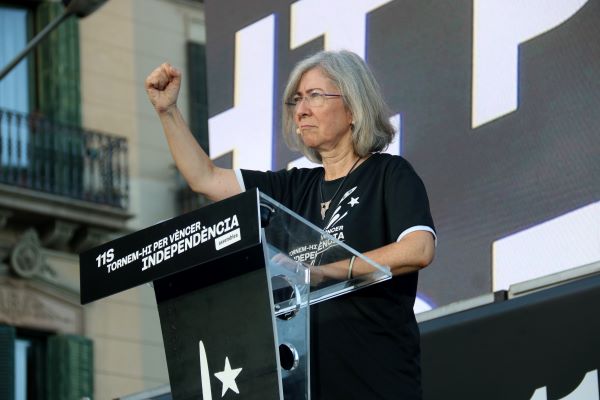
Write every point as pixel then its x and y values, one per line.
pixel 302 107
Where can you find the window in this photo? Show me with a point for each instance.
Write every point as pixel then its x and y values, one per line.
pixel 39 365
pixel 42 90
pixel 22 352
pixel 14 88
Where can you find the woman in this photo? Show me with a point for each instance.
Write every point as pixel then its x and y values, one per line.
pixel 364 345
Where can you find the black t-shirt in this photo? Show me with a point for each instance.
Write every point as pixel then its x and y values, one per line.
pixel 364 345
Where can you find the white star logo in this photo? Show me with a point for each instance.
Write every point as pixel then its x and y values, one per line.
pixel 353 201
pixel 227 377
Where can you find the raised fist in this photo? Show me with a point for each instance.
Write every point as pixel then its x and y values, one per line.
pixel 162 86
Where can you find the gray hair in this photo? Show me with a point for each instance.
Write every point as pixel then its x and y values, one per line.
pixel 372 129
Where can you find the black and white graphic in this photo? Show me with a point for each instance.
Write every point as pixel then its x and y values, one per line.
pixel 311 254
pixel 169 247
pixel 542 346
pixel 227 376
pixel 497 103
pixel 340 212
pixel 218 329
pixel 587 389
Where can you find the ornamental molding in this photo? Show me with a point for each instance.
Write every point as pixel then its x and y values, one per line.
pixel 24 305
pixel 26 259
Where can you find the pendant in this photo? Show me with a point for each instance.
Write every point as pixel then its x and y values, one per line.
pixel 324 208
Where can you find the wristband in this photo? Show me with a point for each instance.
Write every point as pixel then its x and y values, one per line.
pixel 350 267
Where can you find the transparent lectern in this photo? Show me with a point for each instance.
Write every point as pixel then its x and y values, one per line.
pixel 234 282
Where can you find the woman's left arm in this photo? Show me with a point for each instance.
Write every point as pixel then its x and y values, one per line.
pixel 411 253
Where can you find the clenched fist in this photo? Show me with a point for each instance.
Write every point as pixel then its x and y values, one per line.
pixel 162 86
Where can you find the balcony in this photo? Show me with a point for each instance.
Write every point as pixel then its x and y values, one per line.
pixel 61 179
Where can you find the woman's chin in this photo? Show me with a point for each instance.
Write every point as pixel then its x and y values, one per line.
pixel 310 142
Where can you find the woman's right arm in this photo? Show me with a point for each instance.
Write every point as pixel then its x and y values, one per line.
pixel 162 87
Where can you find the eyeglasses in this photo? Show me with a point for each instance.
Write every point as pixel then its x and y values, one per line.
pixel 314 99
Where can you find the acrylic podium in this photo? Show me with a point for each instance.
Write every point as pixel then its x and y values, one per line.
pixel 233 287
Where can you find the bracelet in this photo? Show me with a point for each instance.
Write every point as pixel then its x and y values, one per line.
pixel 350 267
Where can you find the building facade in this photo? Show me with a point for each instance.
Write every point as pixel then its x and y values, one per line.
pixel 83 161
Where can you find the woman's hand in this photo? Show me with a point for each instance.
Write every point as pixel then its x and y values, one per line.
pixel 162 87
pixel 286 262
pixel 316 274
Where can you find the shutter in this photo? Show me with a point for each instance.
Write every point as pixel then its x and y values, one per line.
pixel 59 99
pixel 196 66
pixel 70 369
pixel 198 116
pixel 58 77
pixel 7 362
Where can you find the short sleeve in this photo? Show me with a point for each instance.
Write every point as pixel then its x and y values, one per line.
pixel 406 201
pixel 273 184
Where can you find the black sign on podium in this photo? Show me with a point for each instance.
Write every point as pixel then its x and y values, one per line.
pixel 233 293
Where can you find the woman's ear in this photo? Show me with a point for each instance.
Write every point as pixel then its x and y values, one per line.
pixel 349 117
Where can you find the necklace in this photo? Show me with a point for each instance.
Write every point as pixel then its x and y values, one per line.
pixel 325 204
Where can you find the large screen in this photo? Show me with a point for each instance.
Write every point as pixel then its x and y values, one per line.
pixel 497 106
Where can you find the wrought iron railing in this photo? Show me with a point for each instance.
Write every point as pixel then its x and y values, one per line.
pixel 40 154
